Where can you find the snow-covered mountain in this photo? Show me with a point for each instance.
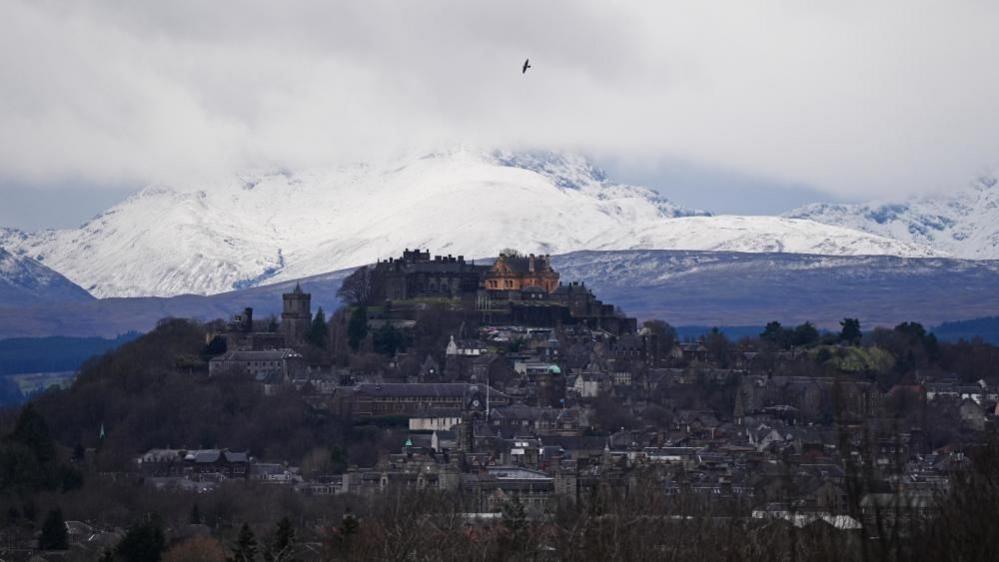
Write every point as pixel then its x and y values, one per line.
pixel 964 223
pixel 257 228
pixel 24 281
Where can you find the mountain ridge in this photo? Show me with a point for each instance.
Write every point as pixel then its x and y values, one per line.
pixel 24 280
pixel 255 228
pixel 963 223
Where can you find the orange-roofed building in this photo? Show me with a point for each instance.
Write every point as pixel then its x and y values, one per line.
pixel 516 273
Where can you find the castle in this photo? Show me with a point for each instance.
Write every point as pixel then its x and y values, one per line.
pixel 514 289
pixel 417 275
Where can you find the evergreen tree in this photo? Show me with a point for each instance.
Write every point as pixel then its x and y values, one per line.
pixel 79 453
pixel 217 346
pixel 32 431
pixel 667 334
pixel 143 543
pixel 804 335
pixel 349 524
pixel 54 536
pixel 281 543
pixel 850 334
pixel 387 340
pixel 719 347
pixel 318 333
pixel 515 523
pixel 246 546
pixel 343 537
pixel 775 335
pixel 28 459
pixel 71 477
pixel 357 327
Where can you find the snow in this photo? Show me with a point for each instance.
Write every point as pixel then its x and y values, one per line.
pixel 24 280
pixel 263 227
pixel 963 223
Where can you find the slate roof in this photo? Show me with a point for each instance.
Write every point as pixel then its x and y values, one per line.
pixel 262 355
pixel 439 390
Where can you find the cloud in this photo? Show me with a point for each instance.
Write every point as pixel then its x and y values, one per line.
pixel 855 98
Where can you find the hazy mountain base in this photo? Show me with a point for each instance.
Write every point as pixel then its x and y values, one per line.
pixel 682 287
pixel 728 288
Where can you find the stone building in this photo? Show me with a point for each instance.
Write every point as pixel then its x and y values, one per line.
pixel 297 316
pixel 281 365
pixel 512 272
pixel 406 399
pixel 194 463
pixel 418 275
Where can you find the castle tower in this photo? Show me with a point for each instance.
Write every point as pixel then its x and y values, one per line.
pixel 297 316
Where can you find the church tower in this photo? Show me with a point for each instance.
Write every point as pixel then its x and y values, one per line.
pixel 297 316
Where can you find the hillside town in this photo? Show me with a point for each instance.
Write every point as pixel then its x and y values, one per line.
pixel 536 392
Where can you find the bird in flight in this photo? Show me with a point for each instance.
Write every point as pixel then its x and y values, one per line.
pixel 527 64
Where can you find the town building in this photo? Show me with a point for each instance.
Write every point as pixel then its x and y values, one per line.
pixel 280 365
pixel 512 272
pixel 297 316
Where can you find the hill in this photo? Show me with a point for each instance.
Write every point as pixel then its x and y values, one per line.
pixel 26 281
pixel 683 287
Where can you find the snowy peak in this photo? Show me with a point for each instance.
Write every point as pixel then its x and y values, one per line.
pixel 964 223
pixel 263 227
pixel 732 233
pixel 25 281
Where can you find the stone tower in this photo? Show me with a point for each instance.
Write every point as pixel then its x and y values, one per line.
pixel 297 316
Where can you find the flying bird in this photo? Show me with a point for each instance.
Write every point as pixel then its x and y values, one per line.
pixel 527 64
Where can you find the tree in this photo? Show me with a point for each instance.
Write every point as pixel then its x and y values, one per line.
pixel 246 546
pixel 318 333
pixel 850 333
pixel 357 327
pixel 28 459
pixel 143 543
pixel 54 536
pixel 356 289
pixel 198 549
pixel 343 536
pixel 195 518
pixel 32 431
pixel 719 347
pixel 805 335
pixel 217 346
pixel 387 340
pixel 664 332
pixel 917 336
pixel 515 525
pixel 776 335
pixel 282 542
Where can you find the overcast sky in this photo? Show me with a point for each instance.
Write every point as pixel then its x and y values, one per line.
pixel 846 100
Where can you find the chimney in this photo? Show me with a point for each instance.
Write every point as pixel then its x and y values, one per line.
pixel 530 266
